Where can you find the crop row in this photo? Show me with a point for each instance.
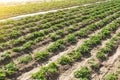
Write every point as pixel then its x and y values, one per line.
pixel 55 16
pixel 38 17
pixel 112 44
pixel 41 34
pixel 81 33
pixel 15 33
pixel 46 72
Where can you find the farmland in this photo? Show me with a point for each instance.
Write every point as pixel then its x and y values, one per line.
pixel 15 9
pixel 80 43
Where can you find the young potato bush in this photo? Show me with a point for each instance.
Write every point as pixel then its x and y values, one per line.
pixel 54 28
pixel 41 55
pixel 84 72
pixel 82 33
pixel 83 49
pixel 100 55
pixel 75 55
pixel 92 27
pixel 16 49
pixel 58 45
pixel 71 38
pixel 65 60
pixel 94 66
pixel 70 29
pixel 111 76
pixel 27 46
pixel 10 68
pixel 39 39
pixel 60 32
pixel 104 33
pixel 45 72
pixel 2 75
pixel 53 36
pixel 5 56
pixel 25 59
pixel 14 34
pixel 94 40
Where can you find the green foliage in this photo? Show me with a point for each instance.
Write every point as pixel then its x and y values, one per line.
pixel 65 60
pixel 41 55
pixel 2 75
pixel 82 73
pixel 25 59
pixel 70 29
pixel 71 38
pixel 82 33
pixel 60 32
pixel 100 55
pixel 27 46
pixel 10 68
pixel 92 27
pixel 53 36
pixel 111 76
pixel 58 45
pixel 104 33
pixel 95 66
pixel 13 34
pixel 5 56
pixel 45 71
pixel 16 49
pixel 83 49
pixel 75 55
pixel 94 40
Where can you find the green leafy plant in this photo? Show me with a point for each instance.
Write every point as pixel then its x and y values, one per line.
pixel 75 55
pixel 5 56
pixel 10 68
pixel 14 34
pixel 60 32
pixel 70 29
pixel 53 36
pixel 84 72
pixel 65 60
pixel 111 76
pixel 41 55
pixel 82 33
pixel 46 72
pixel 100 55
pixel 27 46
pixel 83 49
pixel 2 74
pixel 16 49
pixel 25 59
pixel 58 45
pixel 71 38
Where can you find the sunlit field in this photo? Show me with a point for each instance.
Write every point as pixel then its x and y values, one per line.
pixel 80 43
pixel 14 9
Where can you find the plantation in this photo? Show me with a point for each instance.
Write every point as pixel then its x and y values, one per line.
pixel 80 43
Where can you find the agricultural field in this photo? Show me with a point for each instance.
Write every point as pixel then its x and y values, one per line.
pixel 81 43
pixel 25 6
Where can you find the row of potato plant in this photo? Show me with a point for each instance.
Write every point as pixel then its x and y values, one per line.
pixel 46 73
pixel 22 39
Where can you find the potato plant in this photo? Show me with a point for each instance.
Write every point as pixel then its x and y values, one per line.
pixel 25 59
pixel 111 76
pixel 84 72
pixel 41 55
pixel 71 39
pixel 65 60
pixel 10 68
